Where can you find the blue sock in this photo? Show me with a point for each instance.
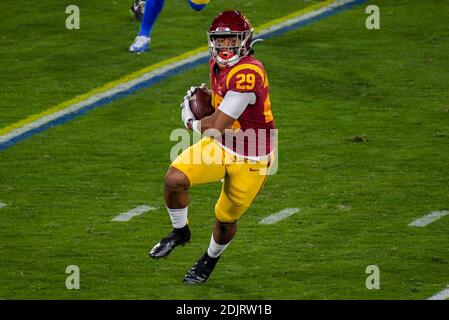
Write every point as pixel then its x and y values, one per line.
pixel 152 10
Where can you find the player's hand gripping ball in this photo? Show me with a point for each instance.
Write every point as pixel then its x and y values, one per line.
pixel 200 102
pixel 197 104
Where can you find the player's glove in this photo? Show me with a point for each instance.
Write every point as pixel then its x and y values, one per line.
pixel 186 113
pixel 193 89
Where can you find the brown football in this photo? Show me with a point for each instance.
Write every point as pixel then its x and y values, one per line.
pixel 201 103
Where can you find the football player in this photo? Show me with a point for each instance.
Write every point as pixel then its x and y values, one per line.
pixel 240 95
pixel 149 14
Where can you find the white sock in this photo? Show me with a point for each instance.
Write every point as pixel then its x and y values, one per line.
pixel 178 217
pixel 216 249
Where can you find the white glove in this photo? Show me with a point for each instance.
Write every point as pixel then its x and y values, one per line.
pixel 190 93
pixel 186 113
pixel 192 90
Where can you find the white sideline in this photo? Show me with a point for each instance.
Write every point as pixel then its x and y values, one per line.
pixel 428 219
pixel 442 295
pixel 2 205
pixel 126 216
pixel 95 98
pixel 278 216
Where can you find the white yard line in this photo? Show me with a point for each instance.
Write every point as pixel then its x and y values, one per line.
pixel 2 205
pixel 428 219
pixel 442 295
pixel 132 213
pixel 278 216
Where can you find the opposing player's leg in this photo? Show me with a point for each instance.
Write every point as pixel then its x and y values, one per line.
pixel 142 41
pixel 242 183
pixel 190 168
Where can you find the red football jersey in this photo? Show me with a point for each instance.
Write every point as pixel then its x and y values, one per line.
pixel 253 131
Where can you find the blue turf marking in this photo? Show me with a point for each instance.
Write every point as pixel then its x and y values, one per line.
pixel 163 76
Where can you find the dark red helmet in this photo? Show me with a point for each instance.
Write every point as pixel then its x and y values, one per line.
pixel 234 26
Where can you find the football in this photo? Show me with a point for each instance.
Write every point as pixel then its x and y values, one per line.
pixel 201 103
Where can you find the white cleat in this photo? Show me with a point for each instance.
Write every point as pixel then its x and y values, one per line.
pixel 140 44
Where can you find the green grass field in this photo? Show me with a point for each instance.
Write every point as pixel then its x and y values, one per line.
pixel 330 81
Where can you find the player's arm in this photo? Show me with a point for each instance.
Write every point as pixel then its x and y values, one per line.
pixel 230 109
pixel 219 121
pixel 242 83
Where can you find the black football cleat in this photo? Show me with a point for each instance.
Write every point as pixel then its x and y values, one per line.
pixel 201 271
pixel 166 245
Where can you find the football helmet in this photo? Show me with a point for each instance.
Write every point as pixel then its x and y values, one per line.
pixel 234 26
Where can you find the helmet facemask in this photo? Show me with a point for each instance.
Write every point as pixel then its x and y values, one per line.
pixel 228 47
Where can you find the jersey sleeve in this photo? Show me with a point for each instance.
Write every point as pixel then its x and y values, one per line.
pixel 245 78
pixel 234 103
